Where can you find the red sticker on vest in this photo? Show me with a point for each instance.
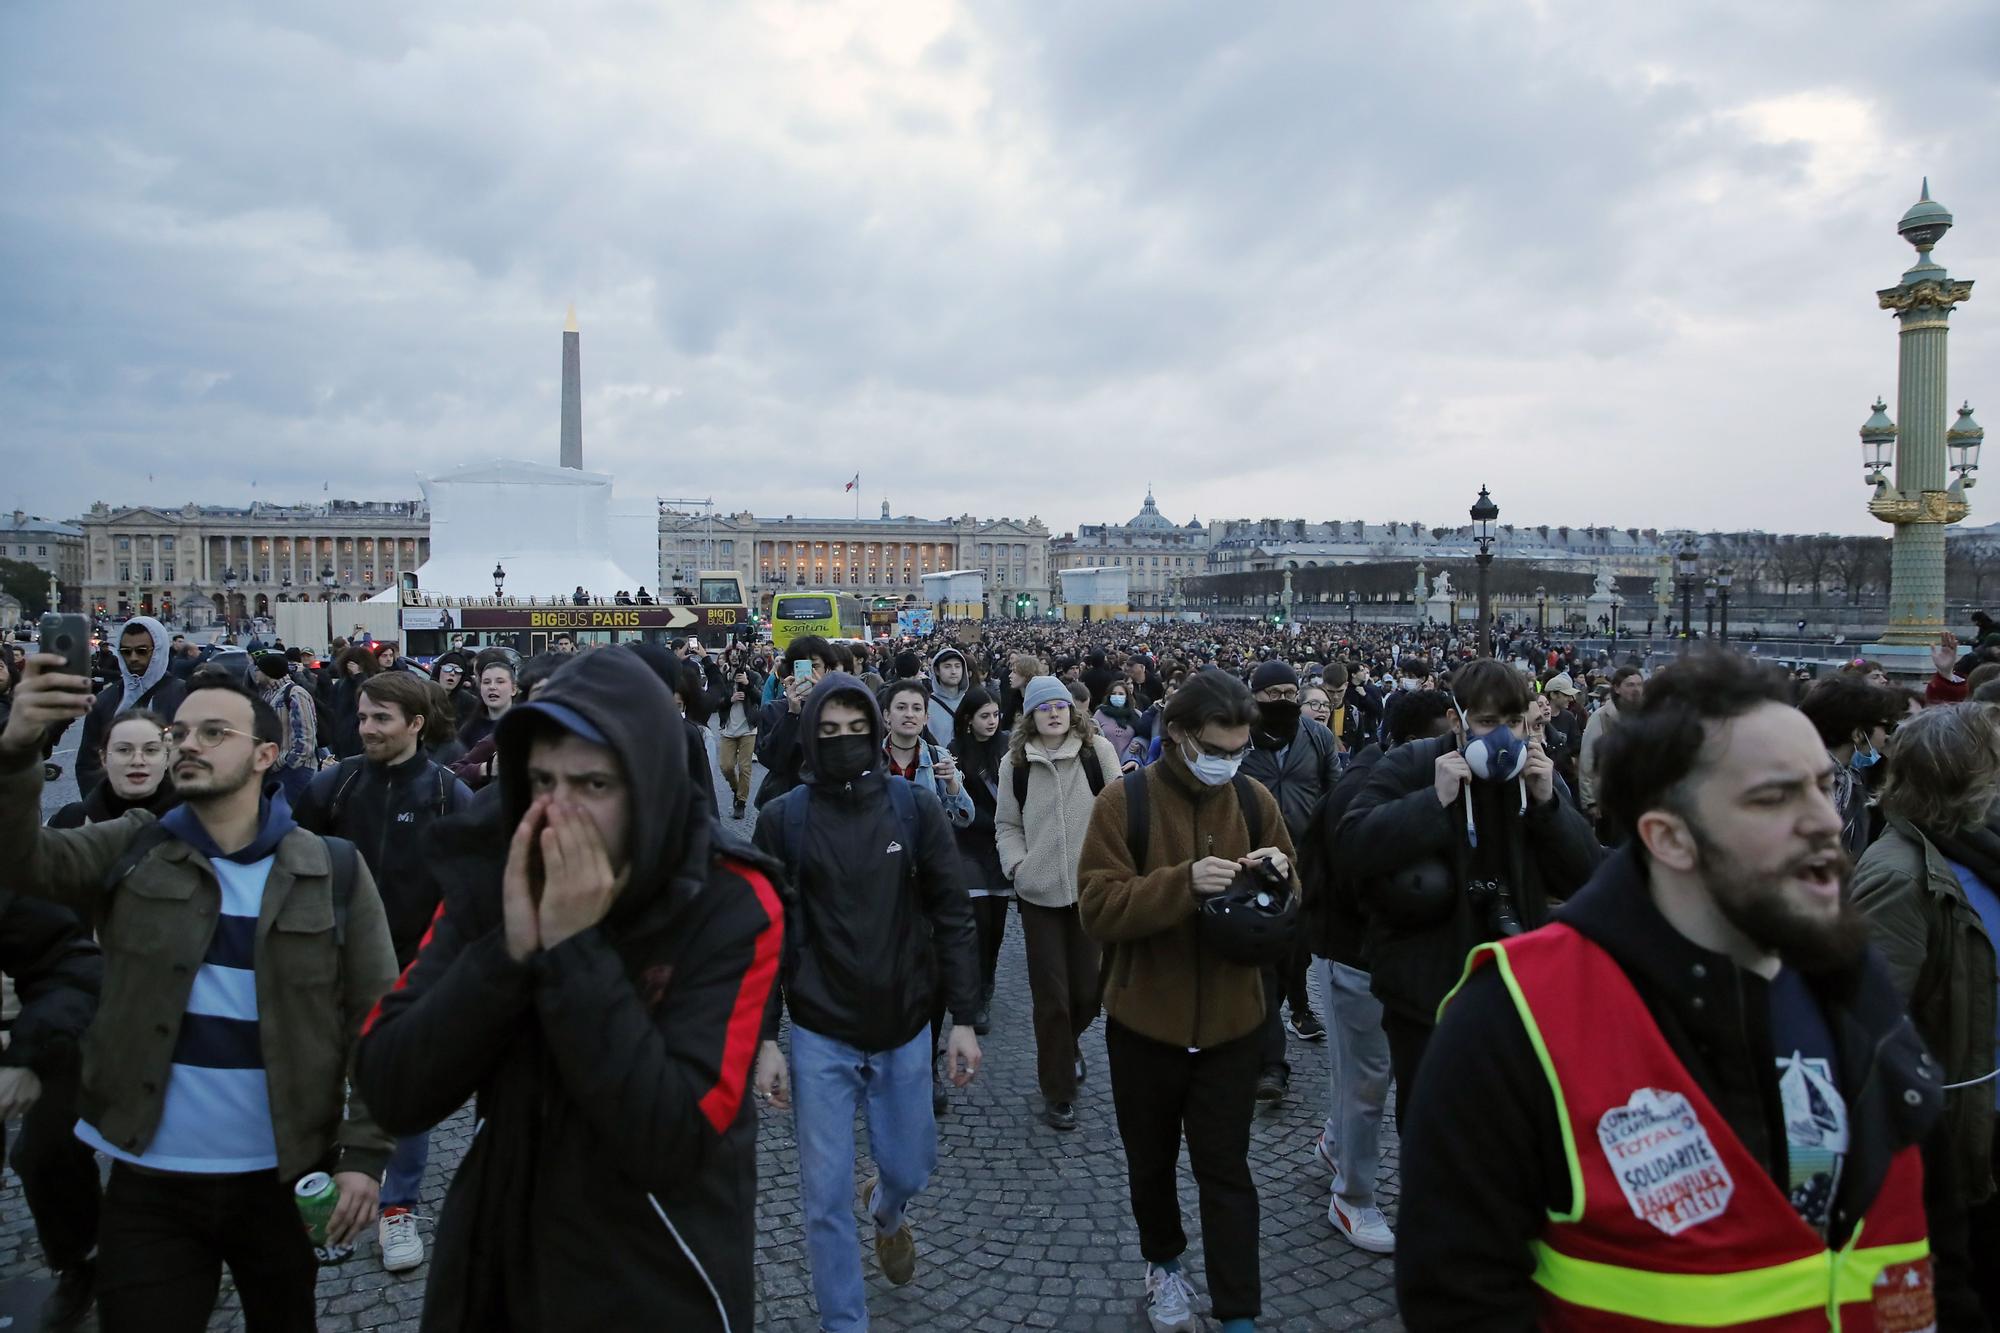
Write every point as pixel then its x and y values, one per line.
pixel 1904 1300
pixel 1664 1161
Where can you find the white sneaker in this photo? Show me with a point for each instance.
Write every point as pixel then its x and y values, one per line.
pixel 1169 1301
pixel 1366 1228
pixel 402 1247
pixel 1324 1151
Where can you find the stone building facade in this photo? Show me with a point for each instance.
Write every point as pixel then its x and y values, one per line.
pixel 55 548
pixel 882 556
pixel 179 562
pixel 1155 553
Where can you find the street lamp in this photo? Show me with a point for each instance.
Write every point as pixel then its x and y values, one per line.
pixel 1725 577
pixel 327 578
pixel 1350 610
pixel 1688 560
pixel 1964 440
pixel 1484 511
pixel 499 579
pixel 1542 609
pixel 1708 600
pixel 229 599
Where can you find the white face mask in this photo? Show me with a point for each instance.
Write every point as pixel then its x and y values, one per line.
pixel 1117 701
pixel 1212 770
pixel 1412 683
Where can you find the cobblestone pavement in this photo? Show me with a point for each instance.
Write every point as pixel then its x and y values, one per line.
pixel 1022 1227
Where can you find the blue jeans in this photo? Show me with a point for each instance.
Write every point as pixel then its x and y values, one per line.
pixel 400 1183
pixel 830 1080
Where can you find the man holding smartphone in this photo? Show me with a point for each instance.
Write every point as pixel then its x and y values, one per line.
pixel 240 955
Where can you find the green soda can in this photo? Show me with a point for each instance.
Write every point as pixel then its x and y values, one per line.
pixel 316 1196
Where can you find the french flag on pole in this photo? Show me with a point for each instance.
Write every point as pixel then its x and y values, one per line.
pixel 852 484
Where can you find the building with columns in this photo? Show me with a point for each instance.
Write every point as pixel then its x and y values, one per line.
pixel 1155 553
pixel 54 548
pixel 884 556
pixel 175 563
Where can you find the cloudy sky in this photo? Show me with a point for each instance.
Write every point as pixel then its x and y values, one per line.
pixel 1616 261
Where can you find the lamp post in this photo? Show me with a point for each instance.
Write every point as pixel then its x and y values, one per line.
pixel 327 578
pixel 1542 609
pixel 1350 610
pixel 1725 577
pixel 499 580
pixel 1688 561
pixel 55 594
pixel 1919 505
pixel 1708 600
pixel 229 600
pixel 1484 511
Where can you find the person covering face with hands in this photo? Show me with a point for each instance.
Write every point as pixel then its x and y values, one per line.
pixel 592 958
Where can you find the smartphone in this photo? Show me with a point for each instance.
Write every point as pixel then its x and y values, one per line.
pixel 67 636
pixel 801 669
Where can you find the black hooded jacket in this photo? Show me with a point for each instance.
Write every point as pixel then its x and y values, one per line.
pixel 387 811
pixel 871 917
pixel 612 1184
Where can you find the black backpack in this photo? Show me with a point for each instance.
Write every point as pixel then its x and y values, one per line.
pixel 345 859
pixel 1093 773
pixel 1138 815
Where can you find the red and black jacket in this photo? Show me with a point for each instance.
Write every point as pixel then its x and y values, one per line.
pixel 612 1180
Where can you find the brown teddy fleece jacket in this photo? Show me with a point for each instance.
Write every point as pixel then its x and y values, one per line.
pixel 1159 982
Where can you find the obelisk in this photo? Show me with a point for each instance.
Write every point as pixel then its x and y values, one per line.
pixel 572 394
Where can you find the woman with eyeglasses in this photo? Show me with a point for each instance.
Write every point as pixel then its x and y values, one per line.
pixel 1056 763
pixel 1317 704
pixel 136 758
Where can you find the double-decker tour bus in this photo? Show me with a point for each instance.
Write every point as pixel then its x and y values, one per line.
pixel 711 608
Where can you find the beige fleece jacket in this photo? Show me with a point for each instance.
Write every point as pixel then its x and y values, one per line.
pixel 1040 846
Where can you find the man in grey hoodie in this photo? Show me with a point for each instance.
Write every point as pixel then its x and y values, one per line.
pixel 950 679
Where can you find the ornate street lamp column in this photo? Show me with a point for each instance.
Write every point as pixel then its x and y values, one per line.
pixel 1484 511
pixel 1919 505
pixel 1688 560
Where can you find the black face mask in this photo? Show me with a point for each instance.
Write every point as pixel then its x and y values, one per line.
pixel 844 758
pixel 1279 717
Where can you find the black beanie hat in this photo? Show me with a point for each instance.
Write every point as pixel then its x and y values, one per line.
pixel 1273 673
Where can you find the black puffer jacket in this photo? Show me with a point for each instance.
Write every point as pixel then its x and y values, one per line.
pixel 1412 860
pixel 613 1182
pixel 870 913
pixel 387 810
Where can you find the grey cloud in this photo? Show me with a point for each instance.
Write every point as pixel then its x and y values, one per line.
pixel 1334 261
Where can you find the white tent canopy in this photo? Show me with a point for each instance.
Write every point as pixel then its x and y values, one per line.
pixel 551 528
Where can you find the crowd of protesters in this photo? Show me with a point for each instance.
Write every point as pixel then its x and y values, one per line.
pixel 1682 979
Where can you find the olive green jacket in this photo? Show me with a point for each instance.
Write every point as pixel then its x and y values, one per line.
pixel 155 927
pixel 1942 962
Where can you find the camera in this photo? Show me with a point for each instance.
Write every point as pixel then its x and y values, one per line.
pixel 1495 901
